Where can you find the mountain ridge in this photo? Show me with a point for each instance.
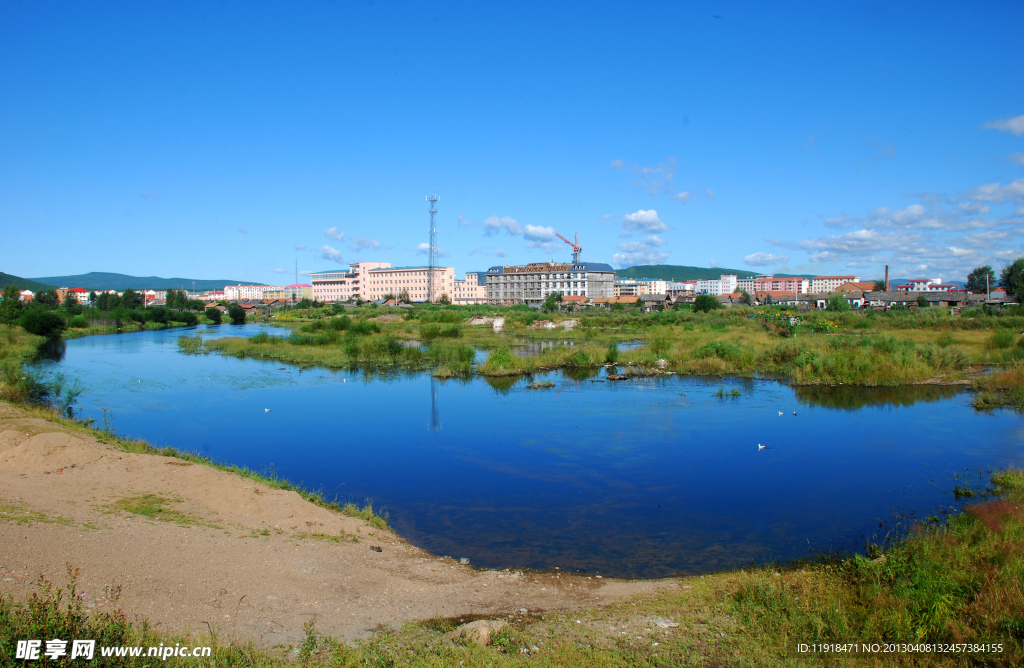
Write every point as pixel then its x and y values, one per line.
pixel 99 280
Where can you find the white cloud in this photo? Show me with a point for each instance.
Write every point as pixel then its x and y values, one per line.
pixel 660 179
pixel 1013 125
pixel 997 192
pixel 494 224
pixel 974 207
pixel 539 233
pixel 825 256
pixel 328 253
pixel 279 271
pixel 640 252
pixel 152 196
pixel 462 222
pixel 1017 158
pixel 639 257
pixel 334 233
pixel 486 250
pixel 359 243
pixel 300 247
pixel 424 249
pixel 642 221
pixel 765 259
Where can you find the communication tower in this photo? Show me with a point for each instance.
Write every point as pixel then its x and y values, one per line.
pixel 432 251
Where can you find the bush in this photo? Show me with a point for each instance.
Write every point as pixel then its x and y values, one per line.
pixel 237 314
pixel 41 322
pixel 706 303
pixel 214 315
pixel 78 322
pixel 1000 339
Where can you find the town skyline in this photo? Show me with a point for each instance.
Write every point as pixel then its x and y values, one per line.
pixel 235 140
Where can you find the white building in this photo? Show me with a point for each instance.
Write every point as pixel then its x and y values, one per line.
pixel 681 288
pixel 724 285
pixel 412 281
pixel 532 283
pixel 240 292
pixel 825 284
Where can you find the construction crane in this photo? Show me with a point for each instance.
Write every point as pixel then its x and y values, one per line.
pixel 576 248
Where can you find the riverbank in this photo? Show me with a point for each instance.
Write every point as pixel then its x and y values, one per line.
pixel 866 349
pixel 272 563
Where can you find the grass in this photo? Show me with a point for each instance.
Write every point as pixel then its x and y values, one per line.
pixel 17 513
pixel 156 507
pixel 1003 387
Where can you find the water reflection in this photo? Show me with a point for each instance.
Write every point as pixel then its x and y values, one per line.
pixel 853 398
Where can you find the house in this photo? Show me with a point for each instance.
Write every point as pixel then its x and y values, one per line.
pixel 783 297
pixel 854 286
pixel 655 302
pixel 574 301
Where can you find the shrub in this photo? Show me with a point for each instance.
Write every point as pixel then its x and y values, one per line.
pixel 41 322
pixel 214 315
pixel 237 314
pixel 78 322
pixel 706 303
pixel 1000 339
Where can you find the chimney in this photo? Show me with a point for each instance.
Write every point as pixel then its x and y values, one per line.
pixel 887 278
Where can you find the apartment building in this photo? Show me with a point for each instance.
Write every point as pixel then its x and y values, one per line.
pixel 239 292
pixel 826 284
pixel 928 285
pixel 765 283
pixel 413 281
pixel 724 285
pixel 472 289
pixel 532 283
pixel 294 292
pixel 680 288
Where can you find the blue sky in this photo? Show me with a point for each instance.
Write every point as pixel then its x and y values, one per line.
pixel 228 140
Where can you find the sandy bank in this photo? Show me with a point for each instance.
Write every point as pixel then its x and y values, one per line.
pixel 227 553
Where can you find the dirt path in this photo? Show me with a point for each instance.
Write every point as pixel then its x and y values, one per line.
pixel 229 554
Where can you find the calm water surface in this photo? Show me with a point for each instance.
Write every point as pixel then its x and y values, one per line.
pixel 639 478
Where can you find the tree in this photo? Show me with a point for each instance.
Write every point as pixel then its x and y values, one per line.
pixel 879 285
pixel 1012 279
pixel 214 315
pixel 981 280
pixel 552 301
pixel 237 314
pixel 92 297
pixel 131 299
pixel 71 304
pixel 745 298
pixel 42 322
pixel 10 307
pixel 403 295
pixel 47 298
pixel 706 303
pixel 445 299
pixel 838 302
pixel 923 302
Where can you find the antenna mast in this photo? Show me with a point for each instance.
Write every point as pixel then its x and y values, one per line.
pixel 432 256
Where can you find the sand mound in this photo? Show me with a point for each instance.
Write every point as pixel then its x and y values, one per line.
pixel 45 451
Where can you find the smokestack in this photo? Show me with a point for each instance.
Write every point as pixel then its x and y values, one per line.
pixel 887 278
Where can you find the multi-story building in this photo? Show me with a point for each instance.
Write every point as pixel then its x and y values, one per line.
pixel 825 284
pixel 239 292
pixel 639 286
pixel 680 288
pixel 294 292
pixel 532 283
pixel 472 289
pixel 630 287
pixel 724 285
pixel 334 286
pixel 413 281
pixel 81 295
pixel 928 285
pixel 765 283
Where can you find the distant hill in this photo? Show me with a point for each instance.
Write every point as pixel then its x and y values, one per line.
pixel 678 272
pixel 98 280
pixel 23 283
